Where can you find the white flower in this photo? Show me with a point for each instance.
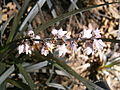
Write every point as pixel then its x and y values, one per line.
pixel 20 49
pixel 27 49
pixel 62 50
pixel 44 51
pixel 88 50
pixel 37 37
pixel 97 33
pixel 31 34
pixel 54 32
pixel 87 33
pixel 98 44
pixel 50 46
pixel 61 33
pixel 24 48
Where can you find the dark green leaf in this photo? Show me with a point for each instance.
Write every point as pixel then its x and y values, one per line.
pixel 6 74
pixel 111 64
pixel 4 27
pixel 26 76
pixel 4 50
pixel 18 84
pixel 2 69
pixel 16 22
pixel 3 86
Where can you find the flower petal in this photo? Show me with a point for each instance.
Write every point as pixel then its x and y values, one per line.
pixel 87 33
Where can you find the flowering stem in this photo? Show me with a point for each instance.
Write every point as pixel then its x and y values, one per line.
pixel 79 39
pixel 110 40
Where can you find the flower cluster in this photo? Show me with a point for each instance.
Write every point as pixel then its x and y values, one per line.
pixel 48 47
pixel 61 49
pixel 96 44
pixel 26 47
pixel 65 46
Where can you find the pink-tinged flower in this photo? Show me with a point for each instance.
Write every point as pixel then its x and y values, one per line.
pixel 36 37
pixel 97 33
pixel 61 33
pixel 74 46
pixel 87 33
pixel 88 50
pixel 44 51
pixel 54 32
pixel 62 50
pixel 98 44
pixel 30 33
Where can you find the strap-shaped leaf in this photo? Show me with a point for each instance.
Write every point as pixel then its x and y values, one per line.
pixel 55 85
pixel 18 84
pixel 3 27
pixel 14 28
pixel 26 76
pixel 4 50
pixel 72 7
pixel 6 74
pixel 3 86
pixel 2 69
pixel 36 66
pixel 111 63
pixel 32 13
pixel 54 14
pixel 66 15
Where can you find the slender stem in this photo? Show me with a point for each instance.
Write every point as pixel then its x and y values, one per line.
pixel 79 39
